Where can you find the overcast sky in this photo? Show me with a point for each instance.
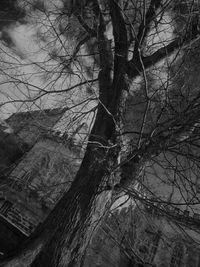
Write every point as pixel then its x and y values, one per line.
pixel 21 52
pixel 24 54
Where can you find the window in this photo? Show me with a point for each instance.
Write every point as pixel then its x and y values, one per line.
pixel 148 247
pixel 177 255
pixel 153 246
pixel 5 207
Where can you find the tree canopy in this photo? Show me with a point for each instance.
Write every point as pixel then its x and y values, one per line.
pixel 127 72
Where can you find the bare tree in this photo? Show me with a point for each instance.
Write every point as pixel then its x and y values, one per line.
pixel 127 57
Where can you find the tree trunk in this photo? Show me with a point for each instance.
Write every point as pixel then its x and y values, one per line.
pixel 64 236
pixel 69 227
pixel 66 232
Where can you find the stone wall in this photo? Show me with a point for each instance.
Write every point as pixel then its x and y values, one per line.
pixel 45 172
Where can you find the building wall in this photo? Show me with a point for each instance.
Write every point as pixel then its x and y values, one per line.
pixel 133 238
pixel 39 175
pixel 43 174
pixel 11 149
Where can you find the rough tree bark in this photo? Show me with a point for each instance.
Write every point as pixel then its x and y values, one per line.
pixel 76 215
pixel 67 230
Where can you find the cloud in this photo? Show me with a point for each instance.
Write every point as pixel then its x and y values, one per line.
pixel 27 68
pixel 10 14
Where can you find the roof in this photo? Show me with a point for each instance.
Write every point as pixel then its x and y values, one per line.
pixel 36 113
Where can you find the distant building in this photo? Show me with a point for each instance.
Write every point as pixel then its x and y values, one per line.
pixel 38 163
pixel 37 166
